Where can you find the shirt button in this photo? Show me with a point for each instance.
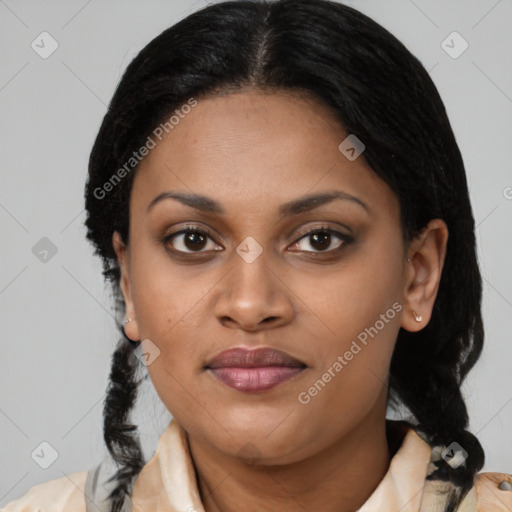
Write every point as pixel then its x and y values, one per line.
pixel 505 486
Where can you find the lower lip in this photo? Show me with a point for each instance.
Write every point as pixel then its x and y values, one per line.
pixel 255 379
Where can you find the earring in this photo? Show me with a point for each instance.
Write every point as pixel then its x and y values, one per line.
pixel 417 317
pixel 409 260
pixel 132 343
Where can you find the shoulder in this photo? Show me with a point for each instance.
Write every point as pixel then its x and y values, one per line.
pixel 59 495
pixel 491 492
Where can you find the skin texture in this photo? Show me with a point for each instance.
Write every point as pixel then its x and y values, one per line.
pixel 252 152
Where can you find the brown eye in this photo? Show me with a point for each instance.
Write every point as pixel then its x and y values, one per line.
pixel 190 240
pixel 321 240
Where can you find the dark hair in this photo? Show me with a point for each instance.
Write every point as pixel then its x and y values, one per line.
pixel 378 91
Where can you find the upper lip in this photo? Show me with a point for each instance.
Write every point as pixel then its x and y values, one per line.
pixel 240 357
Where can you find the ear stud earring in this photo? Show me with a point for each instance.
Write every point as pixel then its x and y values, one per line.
pixel 417 317
pixel 126 320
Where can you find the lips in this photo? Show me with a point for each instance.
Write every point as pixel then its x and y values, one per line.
pixel 252 358
pixel 254 370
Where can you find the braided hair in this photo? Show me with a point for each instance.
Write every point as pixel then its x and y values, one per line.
pixel 378 91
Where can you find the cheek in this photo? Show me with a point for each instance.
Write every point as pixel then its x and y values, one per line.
pixel 163 297
pixel 375 282
pixel 364 291
pixel 174 373
pixel 169 310
pixel 352 377
pixel 175 389
pixel 353 318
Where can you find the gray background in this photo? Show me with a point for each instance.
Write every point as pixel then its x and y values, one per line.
pixel 56 316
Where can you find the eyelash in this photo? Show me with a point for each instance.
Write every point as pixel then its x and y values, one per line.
pixel 346 239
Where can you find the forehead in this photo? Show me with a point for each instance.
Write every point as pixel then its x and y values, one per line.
pixel 250 149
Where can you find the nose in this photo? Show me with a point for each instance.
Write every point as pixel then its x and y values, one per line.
pixel 252 296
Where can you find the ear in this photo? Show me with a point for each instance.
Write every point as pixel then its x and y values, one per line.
pixel 427 253
pixel 131 329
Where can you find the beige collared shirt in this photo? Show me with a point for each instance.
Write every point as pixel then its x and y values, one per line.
pixel 167 483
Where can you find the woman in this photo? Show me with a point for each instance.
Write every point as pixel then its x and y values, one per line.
pixel 282 209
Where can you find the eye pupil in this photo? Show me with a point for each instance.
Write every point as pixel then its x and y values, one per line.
pixel 193 239
pixel 320 240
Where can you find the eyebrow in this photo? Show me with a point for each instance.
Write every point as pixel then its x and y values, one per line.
pixel 306 203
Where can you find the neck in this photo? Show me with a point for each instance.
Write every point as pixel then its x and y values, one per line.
pixel 338 479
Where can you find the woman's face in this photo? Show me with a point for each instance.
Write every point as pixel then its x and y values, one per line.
pixel 334 301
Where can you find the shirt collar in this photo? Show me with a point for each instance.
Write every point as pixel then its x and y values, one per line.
pixel 172 471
